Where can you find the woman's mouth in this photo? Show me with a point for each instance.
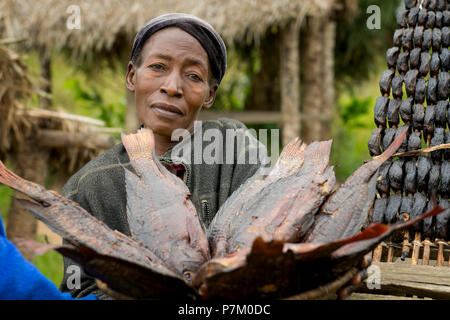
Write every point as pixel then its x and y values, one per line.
pixel 166 110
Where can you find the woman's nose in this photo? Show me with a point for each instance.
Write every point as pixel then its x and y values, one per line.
pixel 172 85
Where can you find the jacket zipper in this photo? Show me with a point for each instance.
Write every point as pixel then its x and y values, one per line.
pixel 206 211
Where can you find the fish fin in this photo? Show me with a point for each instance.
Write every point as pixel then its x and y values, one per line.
pixel 317 156
pixel 140 144
pixel 393 147
pixel 9 178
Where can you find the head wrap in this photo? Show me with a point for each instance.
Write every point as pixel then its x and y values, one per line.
pixel 199 29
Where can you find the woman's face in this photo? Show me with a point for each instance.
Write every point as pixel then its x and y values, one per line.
pixel 172 82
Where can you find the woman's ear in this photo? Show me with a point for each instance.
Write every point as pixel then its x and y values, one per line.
pixel 130 79
pixel 211 97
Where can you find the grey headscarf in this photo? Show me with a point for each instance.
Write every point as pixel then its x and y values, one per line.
pixel 199 29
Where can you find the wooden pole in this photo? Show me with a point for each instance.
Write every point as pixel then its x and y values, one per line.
pixel 312 78
pixel 328 101
pixel 416 248
pixel 289 81
pixel 32 164
pixel 46 75
pixel 60 139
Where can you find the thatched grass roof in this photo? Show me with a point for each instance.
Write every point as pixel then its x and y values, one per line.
pixel 104 22
pixel 20 125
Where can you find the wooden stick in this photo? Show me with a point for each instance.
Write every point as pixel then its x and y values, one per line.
pixel 378 253
pixel 390 256
pixel 416 248
pixel 440 257
pixel 61 139
pixel 406 245
pixel 426 251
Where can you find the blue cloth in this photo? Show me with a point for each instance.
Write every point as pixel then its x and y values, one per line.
pixel 21 280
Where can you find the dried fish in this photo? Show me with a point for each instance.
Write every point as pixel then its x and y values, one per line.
pixel 421 88
pixel 435 64
pixel 391 56
pixel 414 59
pixel 392 114
pixel 383 185
pixel 441 114
pixel 422 17
pixel 446 37
pixel 418 36
pixel 375 142
pixel 425 60
pixel 388 138
pixel 385 81
pixel 431 19
pixel 439 18
pixel 407 39
pixel 428 223
pixel 397 84
pixel 380 111
pixel 428 121
pixel 442 219
pixel 433 180
pixel 402 62
pixel 424 165
pixel 403 147
pixel 443 85
pixel 436 42
pixel 410 4
pixel 446 19
pixel 410 182
pixel 420 204
pixel 406 109
pixel 445 59
pixel 413 15
pixel 402 18
pixel 438 138
pixel 347 209
pixel 396 174
pixel 398 37
pixel 379 208
pixel 393 208
pixel 410 80
pixel 432 91
pixel 414 141
pixel 445 179
pixel 418 115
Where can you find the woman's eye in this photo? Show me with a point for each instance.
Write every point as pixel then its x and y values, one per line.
pixel 156 66
pixel 195 77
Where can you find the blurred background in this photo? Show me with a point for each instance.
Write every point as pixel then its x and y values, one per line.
pixel 308 67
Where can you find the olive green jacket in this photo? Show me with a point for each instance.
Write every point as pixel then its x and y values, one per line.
pixel 99 187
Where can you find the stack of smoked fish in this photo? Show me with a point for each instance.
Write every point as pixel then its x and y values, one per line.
pixel 283 232
pixel 415 93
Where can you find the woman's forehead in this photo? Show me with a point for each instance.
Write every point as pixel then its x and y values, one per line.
pixel 173 41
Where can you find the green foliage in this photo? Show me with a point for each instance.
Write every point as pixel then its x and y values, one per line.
pixel 5 200
pixel 235 86
pixel 359 49
pixel 113 114
pixel 50 264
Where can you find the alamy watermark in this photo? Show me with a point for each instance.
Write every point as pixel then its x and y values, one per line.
pixel 74 19
pixel 236 146
pixel 374 20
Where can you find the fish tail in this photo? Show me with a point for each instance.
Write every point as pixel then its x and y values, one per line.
pixel 317 155
pixel 393 147
pixel 140 144
pixel 293 150
pixel 9 178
